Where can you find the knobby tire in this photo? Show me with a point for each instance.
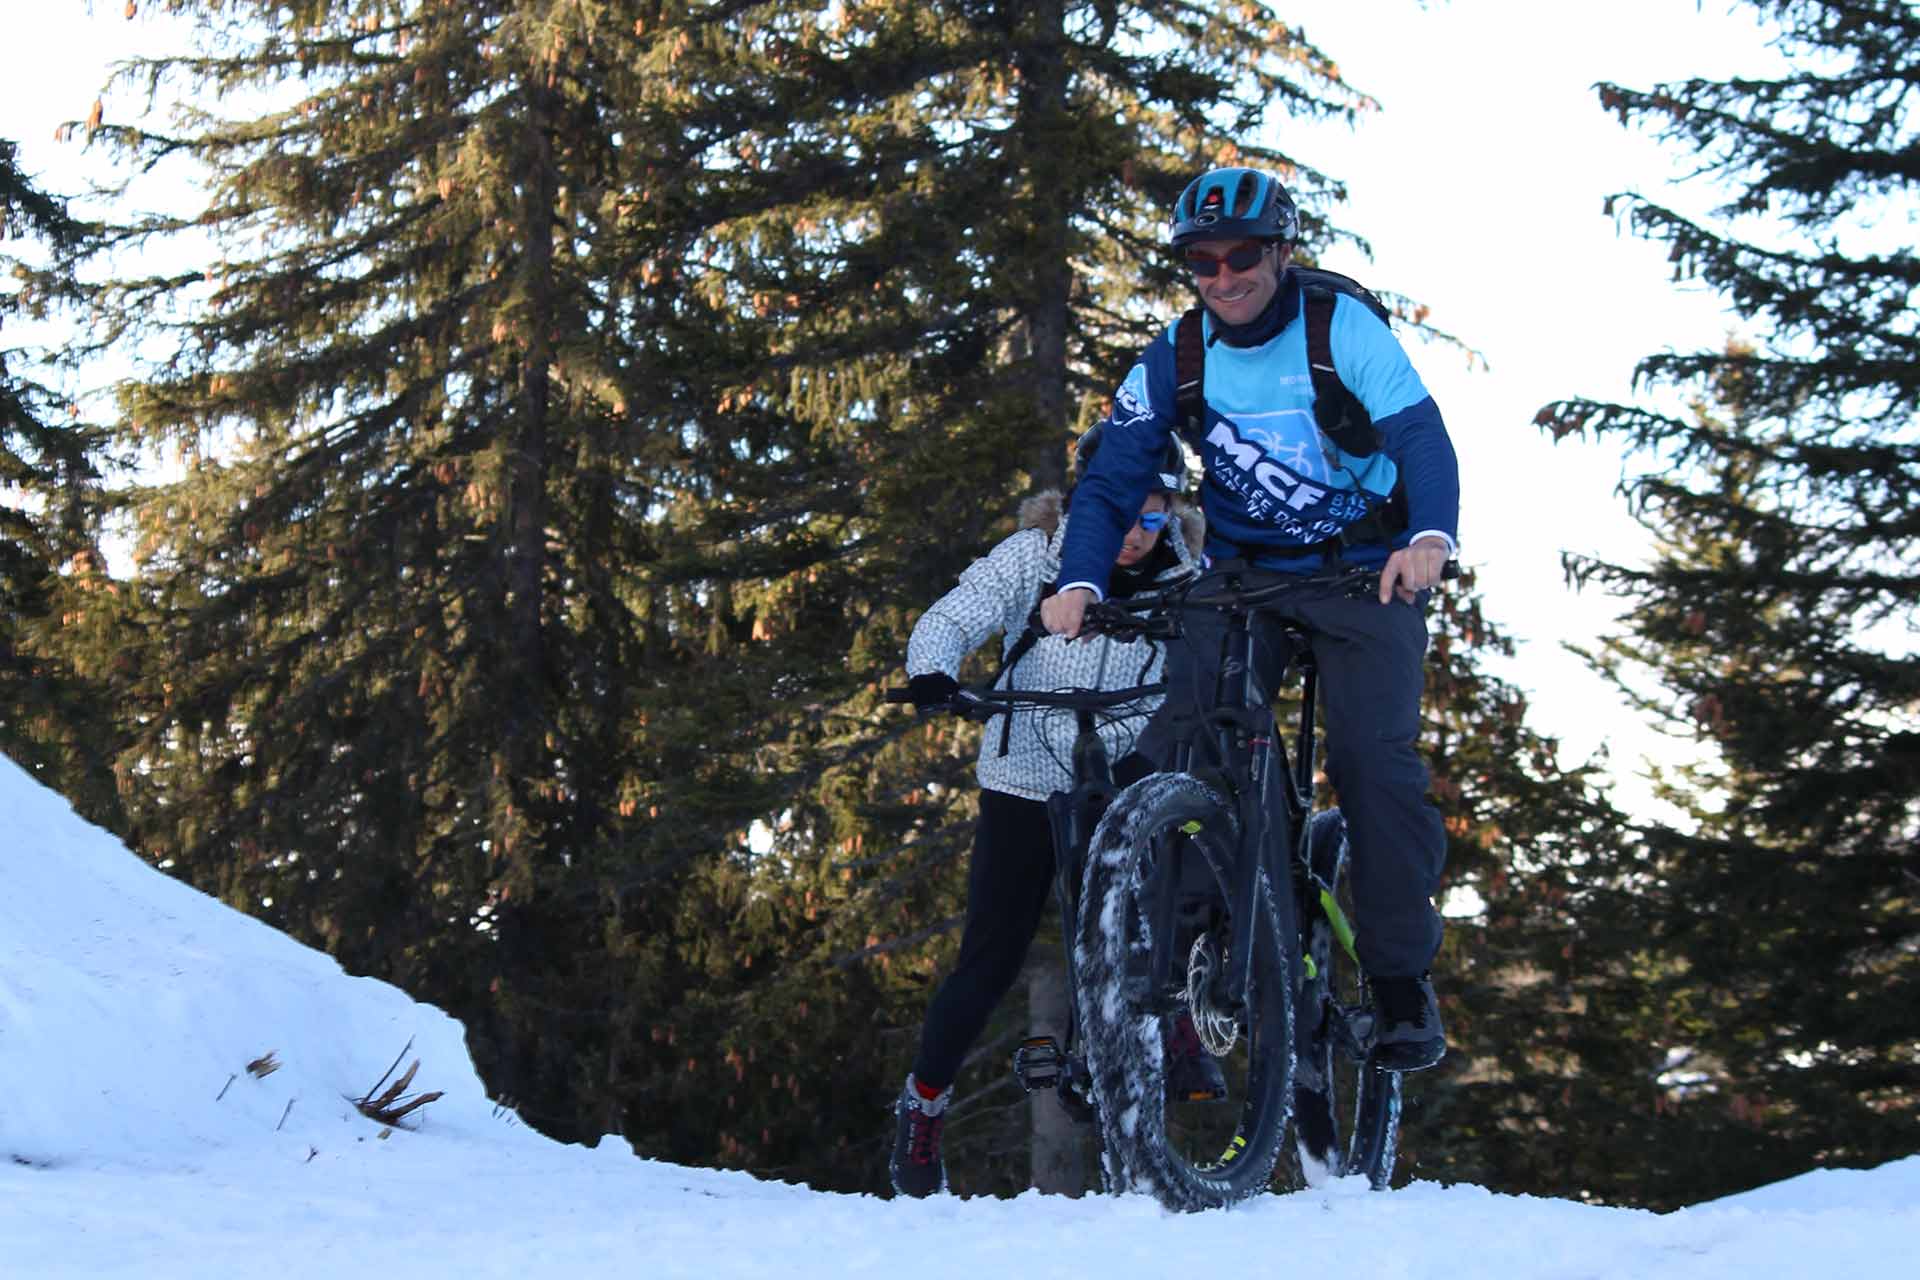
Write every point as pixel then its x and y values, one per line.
pixel 1124 1026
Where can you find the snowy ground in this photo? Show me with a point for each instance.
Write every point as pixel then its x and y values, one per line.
pixel 135 1142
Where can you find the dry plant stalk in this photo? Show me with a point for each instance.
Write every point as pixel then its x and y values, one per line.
pixel 264 1065
pixel 388 1106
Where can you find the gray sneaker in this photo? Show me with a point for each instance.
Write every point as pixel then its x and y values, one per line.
pixel 1407 1031
pixel 916 1166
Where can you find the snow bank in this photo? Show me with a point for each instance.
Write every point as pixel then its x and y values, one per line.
pixel 131 1004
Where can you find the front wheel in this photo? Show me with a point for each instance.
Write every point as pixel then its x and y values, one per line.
pixel 1171 834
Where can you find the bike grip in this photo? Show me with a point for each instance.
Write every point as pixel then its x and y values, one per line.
pixel 970 706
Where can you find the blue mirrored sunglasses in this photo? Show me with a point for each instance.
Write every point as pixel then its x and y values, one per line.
pixel 1153 521
pixel 1206 266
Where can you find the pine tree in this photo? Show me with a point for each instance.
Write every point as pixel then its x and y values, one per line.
pixel 426 417
pixel 53 719
pixel 1777 933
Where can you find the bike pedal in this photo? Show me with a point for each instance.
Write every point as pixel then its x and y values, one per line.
pixel 1038 1063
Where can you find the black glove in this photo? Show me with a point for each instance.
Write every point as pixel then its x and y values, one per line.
pixel 932 692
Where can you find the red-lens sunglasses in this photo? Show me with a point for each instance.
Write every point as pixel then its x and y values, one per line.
pixel 1206 266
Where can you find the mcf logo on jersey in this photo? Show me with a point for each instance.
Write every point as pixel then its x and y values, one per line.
pixel 1279 483
pixel 1131 403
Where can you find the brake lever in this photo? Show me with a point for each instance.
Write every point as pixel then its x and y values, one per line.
pixel 969 705
pixel 1365 583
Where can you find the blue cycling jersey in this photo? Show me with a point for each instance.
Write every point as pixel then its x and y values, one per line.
pixel 1275 486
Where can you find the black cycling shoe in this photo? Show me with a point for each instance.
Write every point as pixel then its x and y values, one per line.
pixel 1407 1031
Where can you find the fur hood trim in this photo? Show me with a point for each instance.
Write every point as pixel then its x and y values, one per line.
pixel 1043 511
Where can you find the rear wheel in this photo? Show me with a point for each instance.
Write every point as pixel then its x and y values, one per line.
pixel 1171 833
pixel 1346 1114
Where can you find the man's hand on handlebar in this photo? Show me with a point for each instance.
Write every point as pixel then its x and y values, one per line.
pixel 1413 569
pixel 1063 612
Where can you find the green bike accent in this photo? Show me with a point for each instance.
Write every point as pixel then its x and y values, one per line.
pixel 1342 927
pixel 1313 970
pixel 1190 827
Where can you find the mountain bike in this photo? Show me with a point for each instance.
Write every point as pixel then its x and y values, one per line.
pixel 1176 895
pixel 1043 1062
pixel 1214 891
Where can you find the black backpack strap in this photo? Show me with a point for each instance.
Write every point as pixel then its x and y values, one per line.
pixel 1027 640
pixel 1345 421
pixel 1338 411
pixel 1190 378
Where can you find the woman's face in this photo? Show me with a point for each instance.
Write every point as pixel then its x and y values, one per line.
pixel 1138 544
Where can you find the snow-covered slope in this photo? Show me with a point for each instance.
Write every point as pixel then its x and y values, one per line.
pixel 131 1004
pixel 134 1142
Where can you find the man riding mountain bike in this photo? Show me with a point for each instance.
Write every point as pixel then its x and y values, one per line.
pixel 1283 499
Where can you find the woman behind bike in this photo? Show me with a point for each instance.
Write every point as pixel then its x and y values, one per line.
pixel 1023 759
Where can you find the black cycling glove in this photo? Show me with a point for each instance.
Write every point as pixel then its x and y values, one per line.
pixel 932 692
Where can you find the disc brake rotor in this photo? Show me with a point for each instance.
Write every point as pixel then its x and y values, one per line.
pixel 1218 1029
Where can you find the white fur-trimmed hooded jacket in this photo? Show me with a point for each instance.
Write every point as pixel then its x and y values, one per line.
pixel 996 594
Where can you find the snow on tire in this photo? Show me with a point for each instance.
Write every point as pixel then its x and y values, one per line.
pixel 1124 1038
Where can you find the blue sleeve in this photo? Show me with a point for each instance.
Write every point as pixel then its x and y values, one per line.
pixel 1373 365
pixel 1417 441
pixel 1107 499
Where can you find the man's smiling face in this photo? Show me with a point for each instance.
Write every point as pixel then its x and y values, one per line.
pixel 1236 297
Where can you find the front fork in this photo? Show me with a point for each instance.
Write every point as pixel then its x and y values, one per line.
pixel 1242 726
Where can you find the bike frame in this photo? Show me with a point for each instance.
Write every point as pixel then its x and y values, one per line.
pixel 1239 739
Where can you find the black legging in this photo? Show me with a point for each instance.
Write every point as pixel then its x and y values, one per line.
pixel 1008 880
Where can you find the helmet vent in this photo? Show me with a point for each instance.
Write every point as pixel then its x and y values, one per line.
pixel 1244 193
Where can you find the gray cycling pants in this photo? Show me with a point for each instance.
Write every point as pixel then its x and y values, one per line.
pixel 1371 660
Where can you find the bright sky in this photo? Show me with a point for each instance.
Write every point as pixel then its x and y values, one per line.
pixel 135 1142
pixel 1480 185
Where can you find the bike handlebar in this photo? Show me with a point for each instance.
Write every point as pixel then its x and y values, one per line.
pixel 1148 613
pixel 984 704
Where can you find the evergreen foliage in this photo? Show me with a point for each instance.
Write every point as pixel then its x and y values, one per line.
pixel 1752 973
pixel 426 435
pixel 560 428
pixel 52 717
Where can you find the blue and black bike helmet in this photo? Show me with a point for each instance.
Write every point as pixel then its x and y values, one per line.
pixel 1231 204
pixel 1170 477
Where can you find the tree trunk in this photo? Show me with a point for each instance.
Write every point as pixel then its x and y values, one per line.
pixel 1045 127
pixel 1059 1157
